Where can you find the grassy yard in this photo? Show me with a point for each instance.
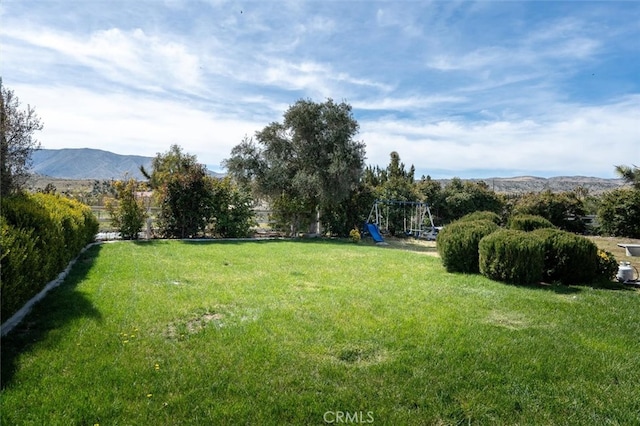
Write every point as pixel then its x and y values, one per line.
pixel 284 332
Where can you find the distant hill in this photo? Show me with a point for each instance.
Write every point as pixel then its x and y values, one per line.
pixel 525 184
pixel 86 163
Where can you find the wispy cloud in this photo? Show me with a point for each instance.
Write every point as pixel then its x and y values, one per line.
pixel 127 57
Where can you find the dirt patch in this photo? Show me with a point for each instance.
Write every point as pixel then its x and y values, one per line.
pixel 414 245
pixel 363 354
pixel 509 320
pixel 194 324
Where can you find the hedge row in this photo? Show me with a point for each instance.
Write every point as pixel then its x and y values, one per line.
pixel 481 215
pixel 40 234
pixel 528 222
pixel 521 257
pixel 569 258
pixel 512 256
pixel 458 244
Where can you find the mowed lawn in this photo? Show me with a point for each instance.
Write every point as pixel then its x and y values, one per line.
pixel 285 332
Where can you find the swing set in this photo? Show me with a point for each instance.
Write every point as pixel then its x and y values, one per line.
pixel 414 224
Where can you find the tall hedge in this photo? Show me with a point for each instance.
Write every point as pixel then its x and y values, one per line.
pixel 458 244
pixel 528 222
pixel 481 215
pixel 40 234
pixel 569 258
pixel 512 256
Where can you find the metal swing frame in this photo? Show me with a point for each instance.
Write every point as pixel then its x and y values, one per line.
pixel 419 213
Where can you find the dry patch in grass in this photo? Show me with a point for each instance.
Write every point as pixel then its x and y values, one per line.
pixel 510 320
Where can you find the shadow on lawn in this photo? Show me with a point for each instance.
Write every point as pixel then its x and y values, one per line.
pixel 572 289
pixel 60 306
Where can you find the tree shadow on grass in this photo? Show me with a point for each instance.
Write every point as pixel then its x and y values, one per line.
pixel 554 287
pixel 59 307
pixel 577 288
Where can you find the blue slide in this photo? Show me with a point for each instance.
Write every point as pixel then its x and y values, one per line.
pixel 375 233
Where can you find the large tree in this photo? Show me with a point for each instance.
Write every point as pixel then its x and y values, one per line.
pixel 17 142
pixel 565 210
pixel 305 165
pixel 460 198
pixel 184 192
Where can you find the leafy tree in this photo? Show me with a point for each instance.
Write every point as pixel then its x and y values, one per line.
pixel 619 213
pixel 127 212
pixel 233 215
pixel 631 175
pixel 289 214
pixel 17 142
pixel 304 166
pixel 342 218
pixel 429 189
pixel 461 198
pixel 565 210
pixel 184 192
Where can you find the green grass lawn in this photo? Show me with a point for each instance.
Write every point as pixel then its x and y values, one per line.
pixel 297 333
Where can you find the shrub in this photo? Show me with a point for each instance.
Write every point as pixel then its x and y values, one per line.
pixel 127 212
pixel 607 266
pixel 232 209
pixel 512 256
pixel 458 244
pixel 483 215
pixel 569 258
pixel 528 222
pixel 354 235
pixel 41 233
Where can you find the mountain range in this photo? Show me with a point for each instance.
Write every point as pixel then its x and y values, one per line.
pixel 86 163
pixel 95 164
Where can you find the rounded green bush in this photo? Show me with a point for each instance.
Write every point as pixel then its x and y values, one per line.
pixel 481 215
pixel 528 222
pixel 458 244
pixel 512 256
pixel 569 258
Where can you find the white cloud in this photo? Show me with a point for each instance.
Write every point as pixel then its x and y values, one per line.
pixel 128 57
pixel 406 103
pixel 584 140
pixel 318 79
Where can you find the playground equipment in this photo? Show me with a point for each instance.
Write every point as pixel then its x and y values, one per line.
pixel 375 232
pixel 416 225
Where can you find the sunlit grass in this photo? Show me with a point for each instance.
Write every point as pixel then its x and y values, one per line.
pixel 284 332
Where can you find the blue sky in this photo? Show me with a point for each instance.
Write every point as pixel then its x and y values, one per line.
pixel 469 89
